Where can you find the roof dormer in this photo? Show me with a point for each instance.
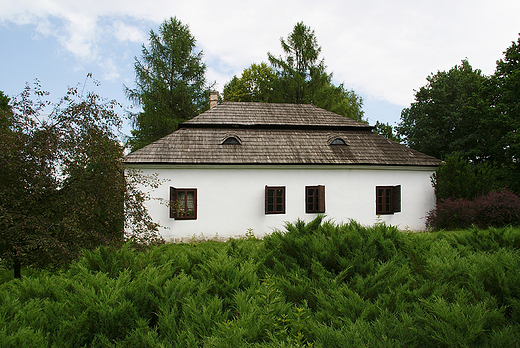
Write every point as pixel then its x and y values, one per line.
pixel 231 139
pixel 336 140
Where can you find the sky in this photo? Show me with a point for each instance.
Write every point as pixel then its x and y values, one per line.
pixel 383 50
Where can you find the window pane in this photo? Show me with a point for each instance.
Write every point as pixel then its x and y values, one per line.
pixel 190 199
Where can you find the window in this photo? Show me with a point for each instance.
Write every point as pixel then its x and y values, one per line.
pixel 231 141
pixel 275 199
pixel 315 199
pixel 388 199
pixel 183 203
pixel 338 141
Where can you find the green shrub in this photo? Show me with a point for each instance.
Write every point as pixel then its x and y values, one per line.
pixel 456 178
pixel 496 209
pixel 316 284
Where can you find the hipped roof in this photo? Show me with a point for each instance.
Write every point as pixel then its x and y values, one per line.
pixel 276 134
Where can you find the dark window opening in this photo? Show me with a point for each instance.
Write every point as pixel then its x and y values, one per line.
pixel 338 141
pixel 183 203
pixel 315 199
pixel 388 199
pixel 231 141
pixel 275 200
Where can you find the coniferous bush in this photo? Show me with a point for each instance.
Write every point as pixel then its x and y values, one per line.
pixel 313 284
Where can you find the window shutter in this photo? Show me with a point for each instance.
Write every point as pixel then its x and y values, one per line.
pixel 396 199
pixel 195 204
pixel 321 199
pixel 173 199
pixel 266 194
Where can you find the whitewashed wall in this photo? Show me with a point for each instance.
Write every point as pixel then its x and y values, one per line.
pixel 230 199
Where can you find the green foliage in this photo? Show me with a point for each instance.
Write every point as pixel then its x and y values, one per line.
pixel 170 83
pixel 474 116
pixel 456 178
pixel 445 115
pixel 298 77
pixel 387 131
pixel 257 84
pixel 62 186
pixel 314 284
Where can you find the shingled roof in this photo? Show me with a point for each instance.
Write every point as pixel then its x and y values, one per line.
pixel 276 134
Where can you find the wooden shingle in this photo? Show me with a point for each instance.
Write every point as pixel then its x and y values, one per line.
pixel 276 134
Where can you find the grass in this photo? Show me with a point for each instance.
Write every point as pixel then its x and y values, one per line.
pixel 316 284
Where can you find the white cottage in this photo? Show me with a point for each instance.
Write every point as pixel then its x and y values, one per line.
pixel 242 167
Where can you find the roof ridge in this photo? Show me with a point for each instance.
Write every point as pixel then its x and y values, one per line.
pixel 256 113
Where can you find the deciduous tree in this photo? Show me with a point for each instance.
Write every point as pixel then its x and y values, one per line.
pixel 387 131
pixel 462 112
pixel 445 116
pixel 257 84
pixel 501 123
pixel 62 183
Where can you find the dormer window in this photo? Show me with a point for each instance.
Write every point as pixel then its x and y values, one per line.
pixel 337 141
pixel 231 139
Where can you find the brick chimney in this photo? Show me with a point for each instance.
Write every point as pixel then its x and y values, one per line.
pixel 213 99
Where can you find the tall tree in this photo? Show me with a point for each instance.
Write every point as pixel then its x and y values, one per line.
pixel 300 71
pixel 62 186
pixel 170 83
pixel 298 77
pixel 501 123
pixel 445 116
pixel 505 102
pixel 464 113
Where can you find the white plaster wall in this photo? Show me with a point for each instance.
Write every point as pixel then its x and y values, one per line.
pixel 230 199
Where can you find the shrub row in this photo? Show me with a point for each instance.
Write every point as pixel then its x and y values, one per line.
pixel 495 209
pixel 316 284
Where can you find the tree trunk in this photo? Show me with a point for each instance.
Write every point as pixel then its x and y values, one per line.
pixel 17 269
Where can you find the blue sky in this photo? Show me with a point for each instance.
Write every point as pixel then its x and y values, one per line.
pixel 383 50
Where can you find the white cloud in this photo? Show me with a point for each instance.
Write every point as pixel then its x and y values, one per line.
pixel 124 32
pixel 380 48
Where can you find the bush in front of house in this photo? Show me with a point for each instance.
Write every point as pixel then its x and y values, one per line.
pixel 315 284
pixel 495 209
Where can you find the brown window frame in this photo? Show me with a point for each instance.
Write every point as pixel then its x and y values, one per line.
pixel 179 210
pixel 273 207
pixel 388 200
pixel 314 199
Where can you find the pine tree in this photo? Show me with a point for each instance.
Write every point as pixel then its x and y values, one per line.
pixel 170 83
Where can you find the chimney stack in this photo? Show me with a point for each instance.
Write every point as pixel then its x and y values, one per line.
pixel 213 99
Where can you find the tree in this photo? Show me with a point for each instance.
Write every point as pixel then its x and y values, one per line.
pixel 501 123
pixel 300 72
pixel 463 113
pixel 298 77
pixel 257 84
pixel 170 84
pixel 62 186
pixel 445 116
pixel 456 178
pixel 387 131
